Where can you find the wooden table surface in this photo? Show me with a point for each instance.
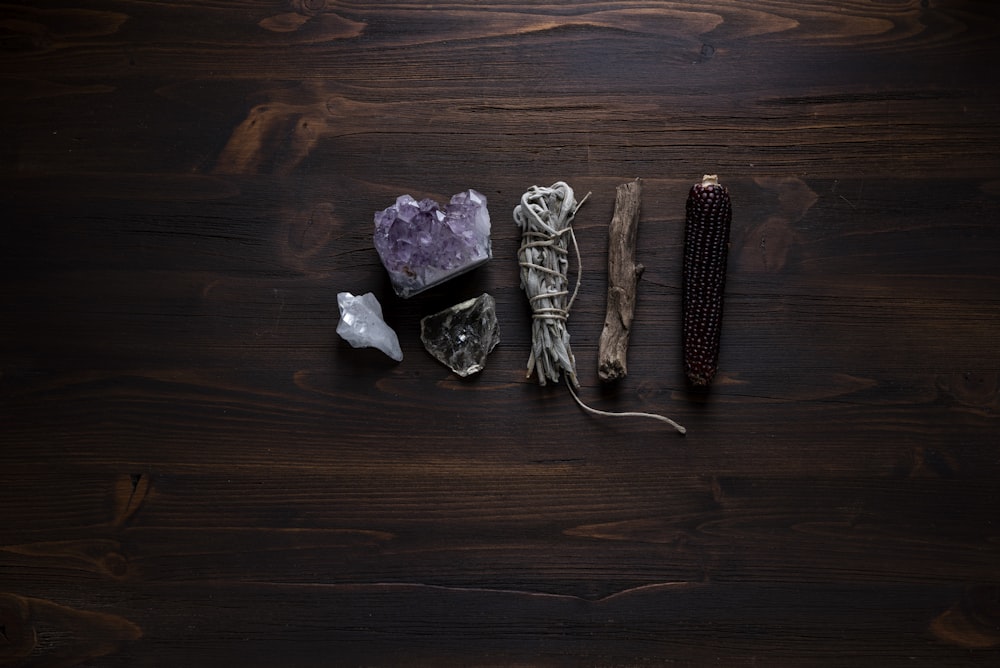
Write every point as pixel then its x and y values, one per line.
pixel 195 470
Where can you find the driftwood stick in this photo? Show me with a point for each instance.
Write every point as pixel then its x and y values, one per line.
pixel 623 275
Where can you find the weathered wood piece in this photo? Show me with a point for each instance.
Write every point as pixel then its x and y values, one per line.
pixel 623 277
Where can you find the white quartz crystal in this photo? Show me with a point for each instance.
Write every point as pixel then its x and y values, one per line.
pixel 362 326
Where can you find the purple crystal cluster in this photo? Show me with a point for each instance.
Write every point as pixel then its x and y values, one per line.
pixel 422 245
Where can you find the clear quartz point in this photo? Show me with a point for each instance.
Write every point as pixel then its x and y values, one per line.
pixel 461 337
pixel 362 326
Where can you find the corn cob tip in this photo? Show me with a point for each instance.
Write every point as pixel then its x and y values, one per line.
pixel 700 381
pixel 709 180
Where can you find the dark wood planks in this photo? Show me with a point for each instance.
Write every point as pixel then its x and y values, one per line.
pixel 194 469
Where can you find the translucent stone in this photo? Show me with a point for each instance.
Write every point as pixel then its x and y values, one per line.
pixel 461 337
pixel 422 245
pixel 362 326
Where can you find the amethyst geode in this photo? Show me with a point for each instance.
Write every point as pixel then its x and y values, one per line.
pixel 422 245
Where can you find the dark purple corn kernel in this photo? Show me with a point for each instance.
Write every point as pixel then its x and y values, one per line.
pixel 706 250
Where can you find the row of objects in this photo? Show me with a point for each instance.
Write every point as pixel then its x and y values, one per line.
pixel 422 245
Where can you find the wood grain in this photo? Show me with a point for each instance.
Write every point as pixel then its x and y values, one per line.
pixel 195 470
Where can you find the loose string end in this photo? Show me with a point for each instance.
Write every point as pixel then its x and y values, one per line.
pixel 594 411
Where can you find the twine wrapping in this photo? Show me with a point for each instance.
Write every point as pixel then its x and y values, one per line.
pixel 545 217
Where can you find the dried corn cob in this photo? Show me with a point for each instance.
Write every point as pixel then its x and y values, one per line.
pixel 706 248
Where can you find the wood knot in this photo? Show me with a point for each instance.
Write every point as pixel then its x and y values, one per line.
pixel 973 622
pixel 308 234
pixel 975 389
pixel 17 636
pixel 57 635
pixel 767 246
pixel 611 370
pixel 309 7
pixel 115 564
